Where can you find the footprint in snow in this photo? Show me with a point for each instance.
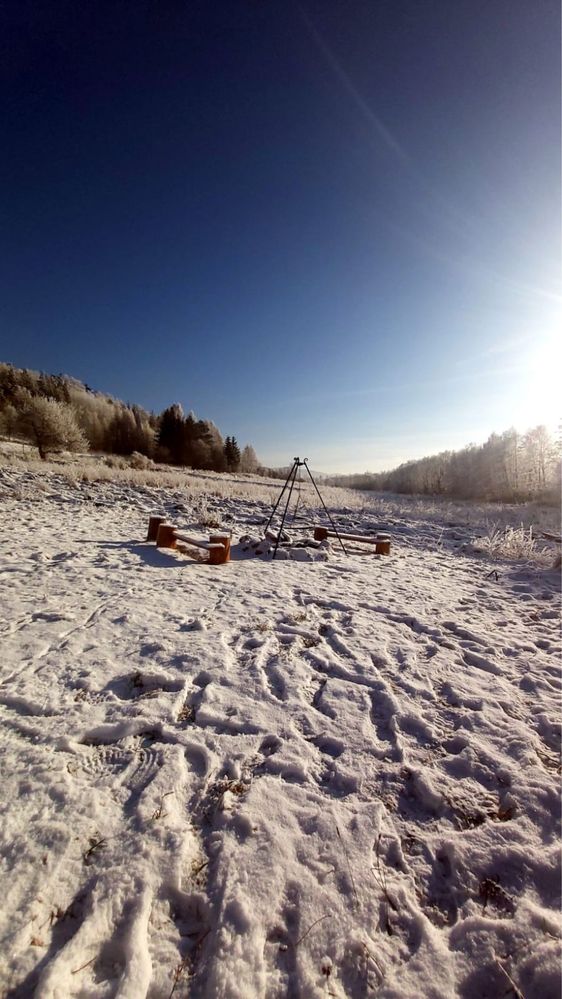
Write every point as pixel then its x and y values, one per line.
pixel 142 685
pixel 270 745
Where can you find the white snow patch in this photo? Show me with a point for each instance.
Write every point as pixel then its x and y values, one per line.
pixel 275 777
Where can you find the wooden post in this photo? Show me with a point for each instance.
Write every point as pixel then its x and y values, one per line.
pixel 216 556
pixel 153 525
pixel 320 534
pixel 382 547
pixel 166 536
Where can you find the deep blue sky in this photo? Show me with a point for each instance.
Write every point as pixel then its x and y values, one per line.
pixel 331 227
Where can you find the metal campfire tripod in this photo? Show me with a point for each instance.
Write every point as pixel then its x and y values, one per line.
pixel 298 463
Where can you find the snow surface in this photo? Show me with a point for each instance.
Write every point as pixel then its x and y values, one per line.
pixel 331 777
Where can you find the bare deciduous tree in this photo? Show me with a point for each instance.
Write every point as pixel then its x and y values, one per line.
pixel 507 467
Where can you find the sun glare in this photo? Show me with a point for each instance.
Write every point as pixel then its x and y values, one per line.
pixel 540 400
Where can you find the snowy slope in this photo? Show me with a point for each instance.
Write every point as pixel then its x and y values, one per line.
pixel 269 779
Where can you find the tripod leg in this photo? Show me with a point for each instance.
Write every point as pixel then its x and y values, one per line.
pixel 325 510
pixel 295 469
pixel 279 498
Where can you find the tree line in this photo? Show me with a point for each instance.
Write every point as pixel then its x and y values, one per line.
pixel 509 467
pixel 57 412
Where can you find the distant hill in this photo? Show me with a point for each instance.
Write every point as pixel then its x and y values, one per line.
pixel 116 427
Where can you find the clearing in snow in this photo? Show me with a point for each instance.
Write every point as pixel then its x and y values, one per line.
pixel 331 777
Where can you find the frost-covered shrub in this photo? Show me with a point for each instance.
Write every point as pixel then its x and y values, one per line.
pixel 140 461
pixel 113 461
pixel 511 542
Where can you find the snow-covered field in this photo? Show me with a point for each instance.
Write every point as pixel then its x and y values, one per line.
pixel 271 779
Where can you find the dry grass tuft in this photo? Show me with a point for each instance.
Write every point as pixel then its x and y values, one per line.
pixel 513 543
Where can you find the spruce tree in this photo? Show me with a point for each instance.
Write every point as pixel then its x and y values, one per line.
pixel 235 454
pixel 231 454
pixel 171 435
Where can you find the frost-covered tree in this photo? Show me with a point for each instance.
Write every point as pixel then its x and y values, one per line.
pixel 9 421
pixel 53 387
pixel 128 431
pixel 50 425
pixel 145 434
pixel 507 467
pixel 216 447
pixel 538 454
pixel 248 460
pixel 94 413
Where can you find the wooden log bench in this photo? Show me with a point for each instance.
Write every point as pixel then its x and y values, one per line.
pixel 218 546
pixel 380 541
pixel 168 536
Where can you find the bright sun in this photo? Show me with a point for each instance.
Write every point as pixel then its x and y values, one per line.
pixel 540 400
